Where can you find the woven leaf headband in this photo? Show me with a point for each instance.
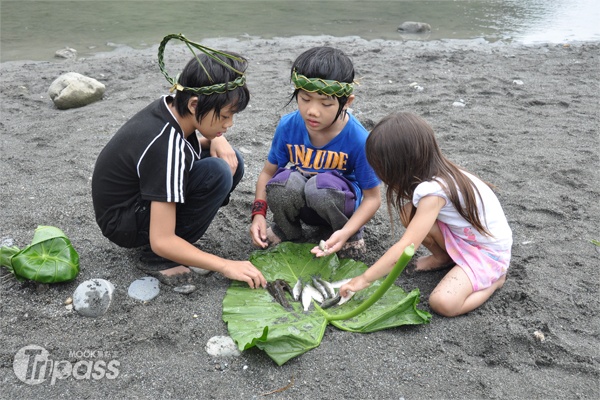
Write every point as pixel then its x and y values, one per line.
pixel 212 53
pixel 322 86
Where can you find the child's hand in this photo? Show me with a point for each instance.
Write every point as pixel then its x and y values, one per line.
pixel 356 284
pixel 332 245
pixel 244 271
pixel 220 147
pixel 258 231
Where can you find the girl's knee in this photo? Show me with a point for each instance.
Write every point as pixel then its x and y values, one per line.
pixel 445 306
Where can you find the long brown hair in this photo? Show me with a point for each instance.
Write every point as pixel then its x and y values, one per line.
pixel 403 151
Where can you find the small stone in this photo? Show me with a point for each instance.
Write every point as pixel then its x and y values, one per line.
pixel 68 301
pixel 69 307
pixel 222 346
pixel 539 336
pixel 517 82
pixel 144 289
pixel 458 104
pixel 200 271
pixel 184 289
pixel 93 297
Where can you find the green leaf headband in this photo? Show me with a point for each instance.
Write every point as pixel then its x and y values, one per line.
pixel 212 53
pixel 322 86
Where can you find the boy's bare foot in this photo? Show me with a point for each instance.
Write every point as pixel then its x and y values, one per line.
pixel 272 238
pixel 432 263
pixel 175 276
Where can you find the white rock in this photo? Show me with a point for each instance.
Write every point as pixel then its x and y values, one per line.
pixel 222 346
pixel 67 52
pixel 93 297
pixel 458 104
pixel 72 90
pixel 414 27
pixel 144 289
pixel 517 82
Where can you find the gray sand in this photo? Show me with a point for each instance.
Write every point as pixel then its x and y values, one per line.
pixel 537 142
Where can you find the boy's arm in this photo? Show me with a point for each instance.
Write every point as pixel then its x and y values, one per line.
pixel 167 244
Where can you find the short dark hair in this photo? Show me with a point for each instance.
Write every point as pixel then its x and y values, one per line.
pixel 325 63
pixel 194 76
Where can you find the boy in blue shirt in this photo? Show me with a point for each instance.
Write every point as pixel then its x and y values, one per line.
pixel 317 171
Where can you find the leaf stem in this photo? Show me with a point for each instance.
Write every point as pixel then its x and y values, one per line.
pixel 406 256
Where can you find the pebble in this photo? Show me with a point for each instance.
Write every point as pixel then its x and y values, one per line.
pixel 458 104
pixel 184 289
pixel 6 242
pixel 539 336
pixel 222 346
pixel 92 298
pixel 518 82
pixel 200 271
pixel 144 289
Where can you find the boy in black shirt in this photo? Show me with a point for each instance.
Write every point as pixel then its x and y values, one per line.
pixel 162 177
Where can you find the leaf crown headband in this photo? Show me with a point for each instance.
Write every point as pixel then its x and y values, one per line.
pixel 321 86
pixel 211 53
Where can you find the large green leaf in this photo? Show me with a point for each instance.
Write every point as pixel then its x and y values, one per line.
pixel 254 318
pixel 50 258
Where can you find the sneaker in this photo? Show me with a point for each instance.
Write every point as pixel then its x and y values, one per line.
pixel 353 250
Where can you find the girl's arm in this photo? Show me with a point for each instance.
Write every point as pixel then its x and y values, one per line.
pixel 258 229
pixel 417 230
pixel 167 244
pixel 363 214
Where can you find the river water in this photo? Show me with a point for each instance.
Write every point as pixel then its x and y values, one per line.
pixel 35 29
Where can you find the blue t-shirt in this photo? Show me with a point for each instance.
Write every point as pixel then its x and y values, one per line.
pixel 344 153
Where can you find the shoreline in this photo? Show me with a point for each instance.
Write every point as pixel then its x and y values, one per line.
pixel 120 50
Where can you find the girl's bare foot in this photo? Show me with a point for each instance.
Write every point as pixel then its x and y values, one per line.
pixel 432 263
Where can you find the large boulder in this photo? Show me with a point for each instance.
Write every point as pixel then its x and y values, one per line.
pixel 72 90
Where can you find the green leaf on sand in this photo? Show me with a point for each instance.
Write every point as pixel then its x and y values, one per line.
pixel 50 258
pixel 254 318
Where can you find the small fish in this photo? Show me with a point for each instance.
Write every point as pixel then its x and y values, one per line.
pixel 346 298
pixel 331 302
pixel 328 287
pixel 297 290
pixel 319 286
pixel 276 289
pixel 340 283
pixel 308 293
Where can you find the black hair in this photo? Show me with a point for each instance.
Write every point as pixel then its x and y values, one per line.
pixel 194 76
pixel 325 63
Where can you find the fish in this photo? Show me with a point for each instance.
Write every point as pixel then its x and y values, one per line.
pixel 331 302
pixel 319 286
pixel 340 283
pixel 346 298
pixel 276 289
pixel 297 290
pixel 328 286
pixel 308 293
